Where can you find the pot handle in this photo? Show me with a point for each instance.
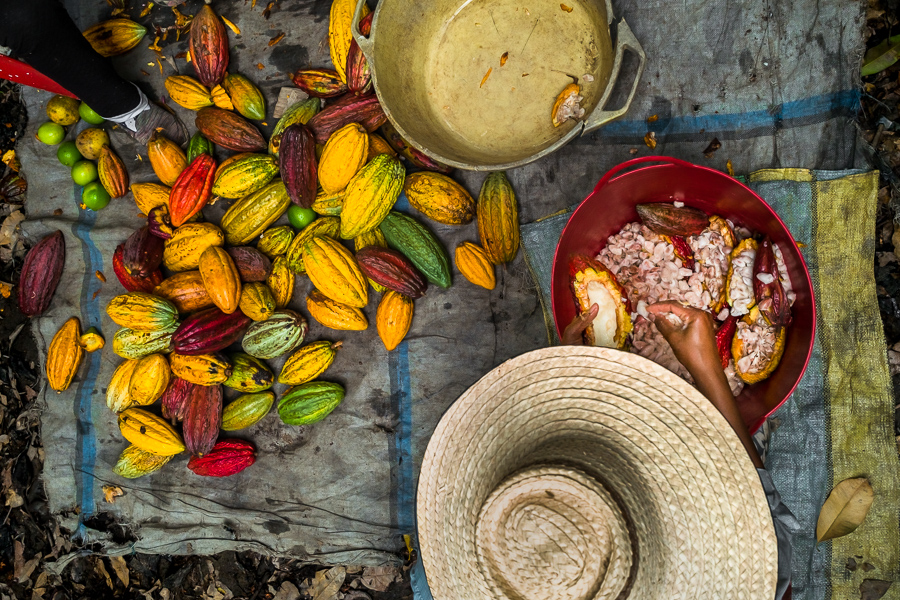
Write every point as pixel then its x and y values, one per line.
pixel 636 161
pixel 365 44
pixel 624 40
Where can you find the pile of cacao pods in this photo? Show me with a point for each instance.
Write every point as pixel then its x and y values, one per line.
pixel 219 290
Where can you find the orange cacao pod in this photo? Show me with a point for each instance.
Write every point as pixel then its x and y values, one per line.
pixel 394 317
pixel 112 172
pixel 185 290
pixel 498 218
pixel 221 278
pixel 475 265
pixel 192 189
pixel 166 158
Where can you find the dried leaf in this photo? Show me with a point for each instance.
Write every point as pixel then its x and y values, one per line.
pixel 327 583
pixel 650 139
pixel 146 11
pixel 568 9
pixel 486 75
pixel 653 118
pixel 276 39
pixel 111 492
pixel 880 57
pixel 379 579
pixel 503 58
pixel 232 26
pixel 845 509
pixel 714 145
pixel 729 167
pixel 873 589
pixel 100 276
pixel 121 568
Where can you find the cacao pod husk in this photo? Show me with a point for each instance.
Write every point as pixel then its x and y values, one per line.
pixel 40 275
pixel 209 47
pixel 664 218
pixel 221 99
pixel 229 130
pixel 359 75
pixel 771 298
pixel 339 34
pixel 584 271
pixel 159 224
pixel 91 340
pixel 186 91
pixel 226 458
pixel 148 196
pixel 298 164
pixel 200 426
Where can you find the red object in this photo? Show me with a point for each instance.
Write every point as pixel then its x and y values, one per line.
pixel 226 458
pixel 612 204
pixel 192 190
pixel 133 283
pixel 19 72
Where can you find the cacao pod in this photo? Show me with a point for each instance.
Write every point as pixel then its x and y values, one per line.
pixel 298 112
pixel 419 159
pixel 475 265
pixel 159 224
pixel 246 97
pixel 592 283
pixel 142 253
pixel 327 226
pixel 149 432
pixel 209 47
pixel 185 290
pixel 281 282
pixel 308 362
pixel 393 319
pixel 227 457
pixel 64 355
pixel 186 91
pixel 257 301
pixel 299 167
pixel 277 335
pixel 244 174
pixel 310 402
pixel 363 109
pixel 175 399
pixel 118 396
pixel 739 281
pixel 498 218
pixel 148 196
pixel 134 463
pixel 275 241
pixel 334 314
pixel 771 298
pixel 359 75
pixel 319 83
pixel 149 380
pixel 339 34
pixel 91 340
pixel 419 245
pixel 112 173
pixel 250 216
pixel 392 270
pixel 167 159
pixel 197 146
pixel 221 278
pixel 115 36
pixel 229 130
pixel 221 99
pixel 209 331
pixel 201 369
pixel 252 265
pixel 130 282
pixel 439 198
pixel 200 426
pixel 249 374
pixel 133 344
pixel 328 204
pixel 371 238
pixel 344 155
pixel 370 195
pixel 334 271
pixel 665 218
pixel 192 190
pixel 142 311
pixel 182 252
pixel 378 145
pixel 246 410
pixel 41 272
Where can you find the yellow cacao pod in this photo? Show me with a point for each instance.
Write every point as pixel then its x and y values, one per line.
pixel 201 369
pixel 394 317
pixel 475 265
pixel 329 205
pixel 335 272
pixel 115 36
pixel 188 92
pixel 281 282
pixel 246 410
pixel 498 218
pixel 370 195
pixel 253 214
pixel 378 145
pixel 134 462
pixel 118 397
pixel 334 314
pixel 244 174
pixel 439 198
pixel 149 380
pixel 182 251
pixel 167 159
pixel 142 312
pixel 344 155
pixel 308 362
pixel 185 290
pixel 221 98
pixel 149 432
pixel 328 226
pixel 339 35
pixel 64 355
pixel 148 196
pixel 257 301
pixel 221 279
pixel 275 241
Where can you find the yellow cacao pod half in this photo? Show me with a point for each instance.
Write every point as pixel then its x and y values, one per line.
pixel 475 265
pixel 149 380
pixel 134 463
pixel 335 272
pixel 167 159
pixel 344 155
pixel 182 251
pixel 498 218
pixel 201 369
pixel 149 432
pixel 308 362
pixel 185 290
pixel 142 312
pixel 281 282
pixel 257 301
pixel 118 397
pixel 188 92
pixel 394 317
pixel 439 198
pixel 221 98
pixel 334 314
pixel 91 340
pixel 221 279
pixel 148 196
pixel 64 355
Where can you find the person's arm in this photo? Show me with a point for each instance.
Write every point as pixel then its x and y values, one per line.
pixel 694 343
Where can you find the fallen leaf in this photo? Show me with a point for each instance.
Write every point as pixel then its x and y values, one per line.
pixel 650 139
pixel 503 58
pixel 653 118
pixel 880 57
pixel 287 591
pixel 714 145
pixel 873 589
pixel 57 212
pixel 729 167
pixel 327 583
pixel 568 9
pixel 276 39
pixel 100 276
pixel 146 11
pixel 121 568
pixel 260 66
pixel 111 492
pixel 845 509
pixel 267 12
pixel 105 573
pixel 486 75
pixel 379 579
pixel 232 26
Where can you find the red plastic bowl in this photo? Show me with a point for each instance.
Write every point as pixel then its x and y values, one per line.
pixel 611 205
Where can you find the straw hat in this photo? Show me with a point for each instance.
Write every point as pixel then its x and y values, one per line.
pixel 580 473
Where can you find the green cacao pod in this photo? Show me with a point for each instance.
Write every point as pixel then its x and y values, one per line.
pixel 277 335
pixel 419 245
pixel 246 410
pixel 133 344
pixel 250 216
pixel 310 402
pixel 134 462
pixel 249 374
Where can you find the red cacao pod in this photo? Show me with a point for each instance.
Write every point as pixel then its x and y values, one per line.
pixel 392 270
pixel 417 158
pixel 40 274
pixel 209 47
pixel 175 399
pixel 226 458
pixel 202 419
pixel 359 76
pixel 320 83
pixel 665 218
pixel 143 252
pixel 132 282
pixel 770 295
pixel 192 189
pixel 298 164
pixel 229 130
pixel 723 339
pixel 351 108
pixel 159 224
pixel 252 265
pixel 209 330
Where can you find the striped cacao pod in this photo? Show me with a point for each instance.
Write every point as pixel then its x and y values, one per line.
pixel 327 226
pixel 370 195
pixel 363 109
pixel 359 75
pixel 192 190
pixel 253 214
pixel 64 355
pixel 308 362
pixel 392 270
pixel 134 344
pixel 298 112
pixel 149 432
pixel 186 91
pixel 142 311
pixel 281 282
pixel 244 174
pixel 227 457
pixel 142 253
pixel 129 281
pixel 475 265
pixel 148 196
pixel 182 252
pixel 208 47
pixel 335 272
pixel 208 331
pixel 419 245
pixel 275 241
pixel 118 397
pixel 257 301
pixel 393 319
pixel 344 155
pixel 246 97
pixel 249 374
pixel 277 335
pixel 200 426
pixel 167 159
pixel 175 399
pixel 252 265
pixel 201 369
pixel 339 34
pixel 299 167
pixel 221 99
pixel 115 36
pixel 319 83
pixel 40 275
pixel 498 218
pixel 327 204
pixel 334 314
pixel 197 146
pixel 439 198
pixel 221 278
pixel 112 173
pixel 229 130
pixel 134 463
pixel 310 402
pixel 185 290
pixel 149 380
pixel 246 410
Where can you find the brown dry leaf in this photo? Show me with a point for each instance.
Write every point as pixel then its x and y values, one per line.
pixel 268 10
pixel 327 583
pixel 10 160
pixel 873 589
pixel 845 509
pixel 653 118
pixel 232 26
pixel 650 139
pixel 379 579
pixel 100 276
pixel 260 66
pixel 146 11
pixel 111 492
pixel 486 75
pixel 714 145
pixel 503 58
pixel 566 8
pixel 121 568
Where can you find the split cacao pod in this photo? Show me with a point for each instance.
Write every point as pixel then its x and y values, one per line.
pixel 244 174
pixel 247 99
pixel 159 224
pixel 182 252
pixel 118 397
pixel 394 318
pixel 378 145
pixel 370 195
pixel 419 159
pixel 363 109
pixel 220 278
pixel 310 402
pixel 221 99
pixel 275 241
pixel 392 270
pixel 335 272
pixel 665 218
pixel 91 340
pixel 253 214
pixel 40 275
pixel 148 196
pixel 334 314
pixel 175 399
pixel 167 159
pixel 475 265
pixel 112 173
pixel 329 205
pixel 298 112
pixel 419 245
pixel 281 282
pixel 186 91
pixel 359 75
pixel 739 282
pixel 134 463
pixel 142 311
pixel 185 290
pixel 129 281
pixel 252 265
pixel 64 355
pixel 339 34
pixel 208 331
pixel 760 372
pixel 771 298
pixel 249 374
pixel 277 335
pixel 439 198
pixel 498 218
pixel 149 432
pixel 229 130
pixel 142 253
pixel 344 155
pixel 192 190
pixel 115 36
pixel 320 83
pixel 200 426
pixel 133 344
pixel 592 283
pixel 227 458
pixel 208 47
pixel 197 146
pixel 257 301
pixel 299 167
pixel 308 362
pixel 246 410
pixel 201 369
pixel 325 226
pixel 149 380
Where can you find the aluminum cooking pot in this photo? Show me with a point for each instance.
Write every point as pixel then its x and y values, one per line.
pixel 472 83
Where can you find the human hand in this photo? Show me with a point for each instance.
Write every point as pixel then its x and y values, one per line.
pixel 691 334
pixel 572 336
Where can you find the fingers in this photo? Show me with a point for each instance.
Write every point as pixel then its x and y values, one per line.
pixel 572 334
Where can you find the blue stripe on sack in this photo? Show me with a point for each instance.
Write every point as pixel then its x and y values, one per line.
pixel 85 442
pixel 404 505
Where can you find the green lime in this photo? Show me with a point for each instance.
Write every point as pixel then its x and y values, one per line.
pixel 51 133
pixel 94 196
pixel 86 113
pixel 84 172
pixel 68 153
pixel 300 217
